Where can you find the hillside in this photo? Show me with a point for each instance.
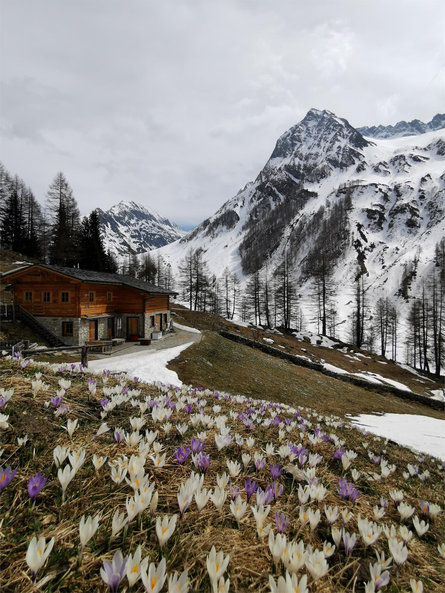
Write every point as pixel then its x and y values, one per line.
pixel 337 499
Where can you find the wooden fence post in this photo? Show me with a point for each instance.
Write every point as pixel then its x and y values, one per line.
pixel 84 357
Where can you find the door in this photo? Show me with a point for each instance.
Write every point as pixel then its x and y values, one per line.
pixel 110 328
pixel 132 327
pixel 93 330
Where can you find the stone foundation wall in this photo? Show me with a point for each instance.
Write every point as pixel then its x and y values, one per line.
pixel 54 324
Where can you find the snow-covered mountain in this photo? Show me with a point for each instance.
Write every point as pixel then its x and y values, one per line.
pixel 374 205
pixel 403 128
pixel 129 228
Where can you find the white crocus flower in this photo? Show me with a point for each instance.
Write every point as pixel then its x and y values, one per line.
pixel 222 480
pixel 71 426
pixel 37 553
pixel 216 564
pixel 218 497
pixel 420 526
pixel 60 454
pixel 98 462
pixel 234 468
pixel 316 564
pixel 416 586
pixel 165 528
pixel 135 565
pixel 260 513
pixel 87 528
pixel 103 428
pixel 398 551
pixel 245 458
pixel 154 578
pixel 238 508
pixel 118 522
pixel 331 514
pixel 202 498
pixel 405 510
pixel 277 544
pixel 65 476
pixel 178 583
pixel 4 421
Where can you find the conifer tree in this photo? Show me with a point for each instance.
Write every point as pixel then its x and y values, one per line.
pixel 65 222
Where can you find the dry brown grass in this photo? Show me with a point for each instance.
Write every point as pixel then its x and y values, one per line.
pixel 250 562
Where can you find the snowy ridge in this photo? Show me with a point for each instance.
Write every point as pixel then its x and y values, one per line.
pixel 129 228
pixel 403 128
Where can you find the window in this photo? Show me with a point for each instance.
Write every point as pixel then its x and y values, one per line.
pixel 28 296
pixel 65 297
pixel 91 297
pixel 109 296
pixel 67 327
pixel 46 297
pixel 152 320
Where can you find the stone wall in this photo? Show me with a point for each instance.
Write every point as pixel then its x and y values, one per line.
pixel 54 324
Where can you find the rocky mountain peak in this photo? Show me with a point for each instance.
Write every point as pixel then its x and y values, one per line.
pixel 315 146
pixel 128 227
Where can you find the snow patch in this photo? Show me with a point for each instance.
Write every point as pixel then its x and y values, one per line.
pixel 149 367
pixel 421 433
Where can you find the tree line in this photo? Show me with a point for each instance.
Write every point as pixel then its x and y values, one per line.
pixel 270 299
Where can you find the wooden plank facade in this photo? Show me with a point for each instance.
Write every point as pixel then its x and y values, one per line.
pixel 81 306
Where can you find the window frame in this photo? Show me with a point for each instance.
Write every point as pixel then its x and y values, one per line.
pixel 109 297
pixel 28 296
pixel 67 329
pixel 46 293
pixel 62 299
pixel 91 296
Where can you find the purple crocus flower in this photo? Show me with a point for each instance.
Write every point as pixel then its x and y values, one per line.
pixel 113 573
pixel 264 497
pixel 136 379
pixel 104 402
pixel 260 463
pixel 3 401
pixel 275 471
pixel 62 409
pixel 234 491
pixel 24 363
pixel 6 476
pixel 196 445
pixel 282 522
pixel 349 541
pixel 250 487
pixel 118 435
pixel 339 454
pixel 424 507
pixel 35 485
pixel 56 401
pixel 188 408
pixel 203 462
pixel 277 489
pixel 182 454
pixel 347 490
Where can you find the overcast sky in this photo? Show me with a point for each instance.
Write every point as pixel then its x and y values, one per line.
pixel 177 104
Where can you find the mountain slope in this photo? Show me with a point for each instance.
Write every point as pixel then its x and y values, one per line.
pixel 129 228
pixel 376 206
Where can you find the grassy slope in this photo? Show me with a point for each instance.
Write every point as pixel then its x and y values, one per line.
pixel 250 562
